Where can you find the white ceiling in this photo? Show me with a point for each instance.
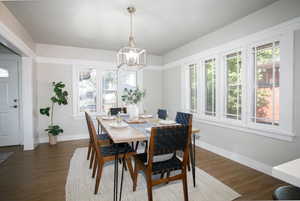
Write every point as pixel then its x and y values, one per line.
pixel 160 26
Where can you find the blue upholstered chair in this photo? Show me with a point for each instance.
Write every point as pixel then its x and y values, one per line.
pixel 162 114
pixel 164 140
pixel 115 110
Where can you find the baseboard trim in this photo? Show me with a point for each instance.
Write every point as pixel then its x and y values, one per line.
pixel 65 137
pixel 259 166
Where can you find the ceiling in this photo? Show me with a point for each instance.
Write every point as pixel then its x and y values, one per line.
pixel 159 26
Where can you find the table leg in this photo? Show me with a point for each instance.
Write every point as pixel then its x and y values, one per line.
pixel 194 163
pixel 116 176
pixel 192 158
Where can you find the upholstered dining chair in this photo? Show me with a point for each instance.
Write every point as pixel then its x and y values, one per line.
pixel 108 153
pixel 162 113
pixel 116 110
pixel 164 140
pixel 187 119
pixel 103 139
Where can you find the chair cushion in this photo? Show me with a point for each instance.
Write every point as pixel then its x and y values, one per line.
pixel 114 148
pixel 170 164
pixel 103 136
pixel 287 193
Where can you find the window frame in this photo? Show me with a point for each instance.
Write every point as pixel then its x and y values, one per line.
pixel 283 131
pixel 77 68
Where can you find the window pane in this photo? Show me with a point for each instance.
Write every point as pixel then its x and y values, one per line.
pixel 266 82
pixel 3 73
pixel 234 87
pixel 110 80
pixel 210 89
pixel 87 90
pixel 193 87
pixel 109 93
pixel 127 79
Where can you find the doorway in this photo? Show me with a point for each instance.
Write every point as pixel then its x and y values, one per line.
pixel 9 98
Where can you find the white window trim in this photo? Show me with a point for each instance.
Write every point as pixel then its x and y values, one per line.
pixel 100 69
pixel 285 129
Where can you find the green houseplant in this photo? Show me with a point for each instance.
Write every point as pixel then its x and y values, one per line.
pixel 131 97
pixel 60 97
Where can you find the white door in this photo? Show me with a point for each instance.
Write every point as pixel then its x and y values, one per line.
pixel 9 103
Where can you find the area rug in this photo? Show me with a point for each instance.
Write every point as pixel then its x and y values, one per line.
pixel 80 185
pixel 4 156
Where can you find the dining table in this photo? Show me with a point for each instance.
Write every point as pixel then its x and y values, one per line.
pixel 138 130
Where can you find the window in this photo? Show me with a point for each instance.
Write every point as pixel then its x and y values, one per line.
pixel 244 85
pixel 98 89
pixel 87 90
pixel 266 83
pixel 193 87
pixel 110 90
pixel 233 97
pixel 3 73
pixel 210 87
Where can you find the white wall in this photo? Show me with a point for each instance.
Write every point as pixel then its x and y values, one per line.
pixel 272 15
pixel 263 150
pixel 54 63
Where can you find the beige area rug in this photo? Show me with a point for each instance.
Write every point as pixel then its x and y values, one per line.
pixel 80 185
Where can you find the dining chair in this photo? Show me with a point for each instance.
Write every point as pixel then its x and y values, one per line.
pixel 104 154
pixel 162 114
pixel 103 140
pixel 116 110
pixel 164 140
pixel 187 119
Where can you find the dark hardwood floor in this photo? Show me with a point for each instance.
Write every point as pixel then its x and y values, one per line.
pixel 40 175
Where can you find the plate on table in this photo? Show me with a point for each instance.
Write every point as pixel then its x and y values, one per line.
pixel 118 125
pixel 108 117
pixel 145 116
pixel 166 122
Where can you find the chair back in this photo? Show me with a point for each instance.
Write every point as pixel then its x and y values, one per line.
pixel 169 139
pixel 184 118
pixel 93 135
pixel 116 110
pixel 162 114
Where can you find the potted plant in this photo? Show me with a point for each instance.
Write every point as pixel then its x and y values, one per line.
pixel 60 97
pixel 132 97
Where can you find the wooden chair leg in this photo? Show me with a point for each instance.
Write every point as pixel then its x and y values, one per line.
pixel 95 167
pixel 99 173
pixel 129 165
pixel 92 158
pixel 135 176
pixel 89 151
pixel 188 164
pixel 185 188
pixel 149 185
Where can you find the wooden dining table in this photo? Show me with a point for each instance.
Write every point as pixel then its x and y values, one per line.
pixel 137 131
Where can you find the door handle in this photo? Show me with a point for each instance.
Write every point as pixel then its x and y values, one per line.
pixel 14 106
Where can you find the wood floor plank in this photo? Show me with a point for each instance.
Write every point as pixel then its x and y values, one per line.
pixel 40 175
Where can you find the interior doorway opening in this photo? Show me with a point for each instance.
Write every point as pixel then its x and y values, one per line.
pixel 10 127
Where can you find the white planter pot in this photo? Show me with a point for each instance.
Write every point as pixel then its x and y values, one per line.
pixel 52 139
pixel 133 111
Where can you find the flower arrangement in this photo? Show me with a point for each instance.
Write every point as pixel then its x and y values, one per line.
pixel 132 96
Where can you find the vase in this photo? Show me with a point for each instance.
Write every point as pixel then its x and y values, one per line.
pixel 133 111
pixel 52 139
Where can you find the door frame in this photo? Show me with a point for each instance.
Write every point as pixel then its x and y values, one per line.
pixel 29 136
pixel 17 59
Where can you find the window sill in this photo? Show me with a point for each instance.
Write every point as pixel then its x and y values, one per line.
pixel 275 133
pixel 81 116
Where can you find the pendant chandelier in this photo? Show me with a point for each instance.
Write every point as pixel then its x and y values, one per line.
pixel 131 57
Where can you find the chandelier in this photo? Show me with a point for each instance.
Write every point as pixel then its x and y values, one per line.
pixel 131 57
